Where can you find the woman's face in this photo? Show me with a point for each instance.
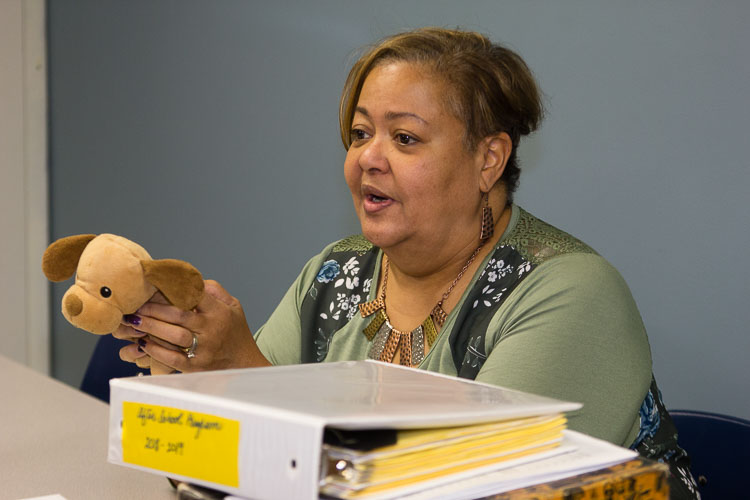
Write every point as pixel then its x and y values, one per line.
pixel 411 177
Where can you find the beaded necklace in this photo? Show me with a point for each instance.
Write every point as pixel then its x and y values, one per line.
pixel 386 339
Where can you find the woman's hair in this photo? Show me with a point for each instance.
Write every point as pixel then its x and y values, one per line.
pixel 490 88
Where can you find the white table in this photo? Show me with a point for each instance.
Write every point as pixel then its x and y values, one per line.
pixel 53 439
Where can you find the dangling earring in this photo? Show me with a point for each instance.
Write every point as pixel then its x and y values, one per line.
pixel 488 223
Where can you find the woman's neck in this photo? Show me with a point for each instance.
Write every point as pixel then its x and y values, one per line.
pixel 417 282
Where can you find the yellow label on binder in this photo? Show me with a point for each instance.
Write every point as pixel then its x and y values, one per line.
pixel 192 444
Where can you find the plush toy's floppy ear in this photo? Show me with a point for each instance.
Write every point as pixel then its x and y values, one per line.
pixel 178 281
pixel 60 260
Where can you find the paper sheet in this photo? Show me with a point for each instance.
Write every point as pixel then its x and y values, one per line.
pixel 590 454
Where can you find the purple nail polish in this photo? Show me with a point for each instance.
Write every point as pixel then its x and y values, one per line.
pixel 132 319
pixel 141 344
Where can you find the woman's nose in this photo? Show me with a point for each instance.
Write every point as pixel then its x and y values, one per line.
pixel 374 156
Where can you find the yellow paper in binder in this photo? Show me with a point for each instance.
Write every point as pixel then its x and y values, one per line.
pixel 455 469
pixel 466 451
pixel 410 440
pixel 419 455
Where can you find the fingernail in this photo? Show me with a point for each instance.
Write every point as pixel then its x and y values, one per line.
pixel 141 345
pixel 132 319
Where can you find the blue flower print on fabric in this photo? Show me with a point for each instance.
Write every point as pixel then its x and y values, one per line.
pixel 328 271
pixel 650 419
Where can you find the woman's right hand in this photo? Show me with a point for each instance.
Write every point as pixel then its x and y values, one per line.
pixel 163 333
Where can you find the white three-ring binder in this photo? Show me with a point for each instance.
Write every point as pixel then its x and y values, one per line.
pixel 258 432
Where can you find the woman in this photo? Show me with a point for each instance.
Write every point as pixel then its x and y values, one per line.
pixel 448 274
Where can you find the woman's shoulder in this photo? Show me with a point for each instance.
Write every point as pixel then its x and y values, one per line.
pixel 559 258
pixel 538 241
pixel 562 273
pixel 554 265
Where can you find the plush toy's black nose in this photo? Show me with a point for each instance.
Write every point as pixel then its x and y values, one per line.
pixel 73 305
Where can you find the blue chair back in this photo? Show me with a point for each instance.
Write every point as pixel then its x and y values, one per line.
pixel 719 448
pixel 105 364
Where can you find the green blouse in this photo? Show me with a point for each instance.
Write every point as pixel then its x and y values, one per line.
pixel 544 313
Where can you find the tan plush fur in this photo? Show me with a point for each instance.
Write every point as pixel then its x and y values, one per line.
pixel 114 277
pixel 60 260
pixel 176 279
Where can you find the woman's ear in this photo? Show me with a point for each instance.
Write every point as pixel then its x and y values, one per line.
pixel 178 281
pixel 496 150
pixel 60 260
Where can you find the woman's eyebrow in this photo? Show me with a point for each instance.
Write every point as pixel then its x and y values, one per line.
pixel 393 115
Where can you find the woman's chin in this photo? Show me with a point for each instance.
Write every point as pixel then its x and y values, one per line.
pixel 381 237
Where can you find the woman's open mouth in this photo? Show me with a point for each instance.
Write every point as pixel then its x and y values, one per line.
pixel 375 200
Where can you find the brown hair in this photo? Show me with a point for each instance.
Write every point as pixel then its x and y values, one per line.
pixel 491 89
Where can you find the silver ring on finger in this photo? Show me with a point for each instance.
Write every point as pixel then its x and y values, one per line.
pixel 190 351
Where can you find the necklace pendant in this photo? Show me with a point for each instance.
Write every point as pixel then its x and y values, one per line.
pixel 391 345
pixel 367 308
pixel 372 329
pixel 439 315
pixel 429 331
pixel 379 340
pixel 406 350
pixel 386 341
pixel 417 345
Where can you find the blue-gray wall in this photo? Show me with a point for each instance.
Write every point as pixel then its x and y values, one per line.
pixel 207 131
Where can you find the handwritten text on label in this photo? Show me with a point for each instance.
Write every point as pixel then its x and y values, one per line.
pixel 178 441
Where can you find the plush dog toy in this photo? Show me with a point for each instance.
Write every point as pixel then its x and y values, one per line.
pixel 115 277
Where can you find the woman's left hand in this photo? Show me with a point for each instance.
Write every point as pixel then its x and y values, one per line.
pixel 222 336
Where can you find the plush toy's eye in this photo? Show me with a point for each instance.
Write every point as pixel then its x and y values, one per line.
pixel 106 292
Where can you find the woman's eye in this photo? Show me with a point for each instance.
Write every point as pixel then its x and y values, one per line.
pixel 358 134
pixel 405 139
